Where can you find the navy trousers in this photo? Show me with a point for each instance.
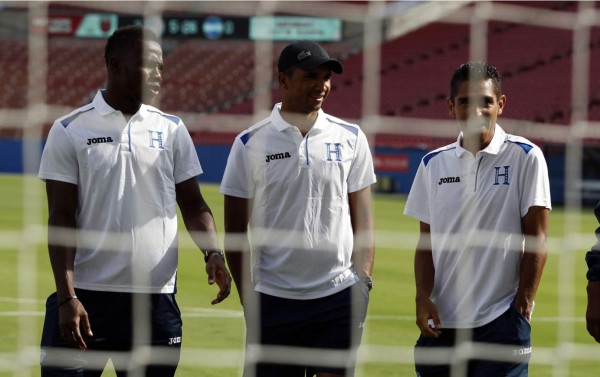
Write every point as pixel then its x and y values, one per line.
pixel 511 329
pixel 112 322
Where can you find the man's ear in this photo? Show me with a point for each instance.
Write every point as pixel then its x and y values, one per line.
pixel 113 65
pixel 451 112
pixel 501 104
pixel 282 78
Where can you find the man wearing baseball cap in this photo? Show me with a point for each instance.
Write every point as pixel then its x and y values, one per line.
pixel 307 55
pixel 300 182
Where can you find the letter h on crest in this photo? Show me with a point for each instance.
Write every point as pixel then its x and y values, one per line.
pixel 498 175
pixel 336 152
pixel 157 139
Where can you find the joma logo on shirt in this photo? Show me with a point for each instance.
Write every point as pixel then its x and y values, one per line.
pixel 98 140
pixel 277 156
pixel 449 180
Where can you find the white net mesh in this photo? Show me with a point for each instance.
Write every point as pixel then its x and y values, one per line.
pixel 398 59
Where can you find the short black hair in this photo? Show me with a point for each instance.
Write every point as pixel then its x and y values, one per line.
pixel 127 37
pixel 475 71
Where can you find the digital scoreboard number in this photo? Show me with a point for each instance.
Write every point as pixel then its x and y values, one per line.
pixel 205 27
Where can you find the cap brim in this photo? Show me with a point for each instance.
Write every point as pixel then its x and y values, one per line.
pixel 333 64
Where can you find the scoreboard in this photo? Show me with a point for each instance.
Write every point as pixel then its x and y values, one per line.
pixel 89 25
pixel 208 27
pixel 202 27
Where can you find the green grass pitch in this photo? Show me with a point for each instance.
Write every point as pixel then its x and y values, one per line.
pixel 213 340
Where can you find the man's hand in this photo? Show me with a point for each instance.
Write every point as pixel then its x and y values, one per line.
pixel 592 315
pixel 218 273
pixel 524 306
pixel 73 322
pixel 428 319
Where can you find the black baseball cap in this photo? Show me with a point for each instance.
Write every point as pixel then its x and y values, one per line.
pixel 306 55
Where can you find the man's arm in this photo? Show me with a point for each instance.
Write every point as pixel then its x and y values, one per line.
pixel 200 224
pixel 592 314
pixel 535 230
pixel 237 215
pixel 62 223
pixel 424 278
pixel 592 258
pixel 363 255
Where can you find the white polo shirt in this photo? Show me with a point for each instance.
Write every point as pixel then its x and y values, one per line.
pixel 126 174
pixel 474 205
pixel 301 233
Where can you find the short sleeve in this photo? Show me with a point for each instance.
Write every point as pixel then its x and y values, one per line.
pixel 59 158
pixel 536 185
pixel 362 173
pixel 417 203
pixel 236 179
pixel 186 163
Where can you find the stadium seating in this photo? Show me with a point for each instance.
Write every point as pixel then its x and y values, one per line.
pixel 218 77
pixel 76 70
pixel 415 71
pixel 230 89
pixel 13 70
pixel 205 76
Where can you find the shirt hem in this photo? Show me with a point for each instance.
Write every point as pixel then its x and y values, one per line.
pixel 304 295
pixel 126 289
pixel 476 324
pixel 236 193
pixel 359 186
pixel 58 177
pixel 417 216
pixel 184 177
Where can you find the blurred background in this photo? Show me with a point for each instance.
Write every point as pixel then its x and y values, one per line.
pixel 398 56
pixel 220 63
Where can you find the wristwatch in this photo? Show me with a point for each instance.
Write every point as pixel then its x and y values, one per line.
pixel 368 281
pixel 208 252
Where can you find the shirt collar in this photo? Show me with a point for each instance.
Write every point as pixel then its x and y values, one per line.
pixel 105 109
pixel 281 125
pixel 492 148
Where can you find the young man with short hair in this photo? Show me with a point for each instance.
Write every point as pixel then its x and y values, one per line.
pixel 483 204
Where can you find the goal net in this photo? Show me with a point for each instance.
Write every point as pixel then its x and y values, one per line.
pixel 398 56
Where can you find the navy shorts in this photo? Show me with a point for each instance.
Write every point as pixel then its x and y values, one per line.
pixel 511 328
pixel 333 322
pixel 111 319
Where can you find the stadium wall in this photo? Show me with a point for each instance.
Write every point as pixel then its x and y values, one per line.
pixel 212 157
pixel 395 167
pixel 11 156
